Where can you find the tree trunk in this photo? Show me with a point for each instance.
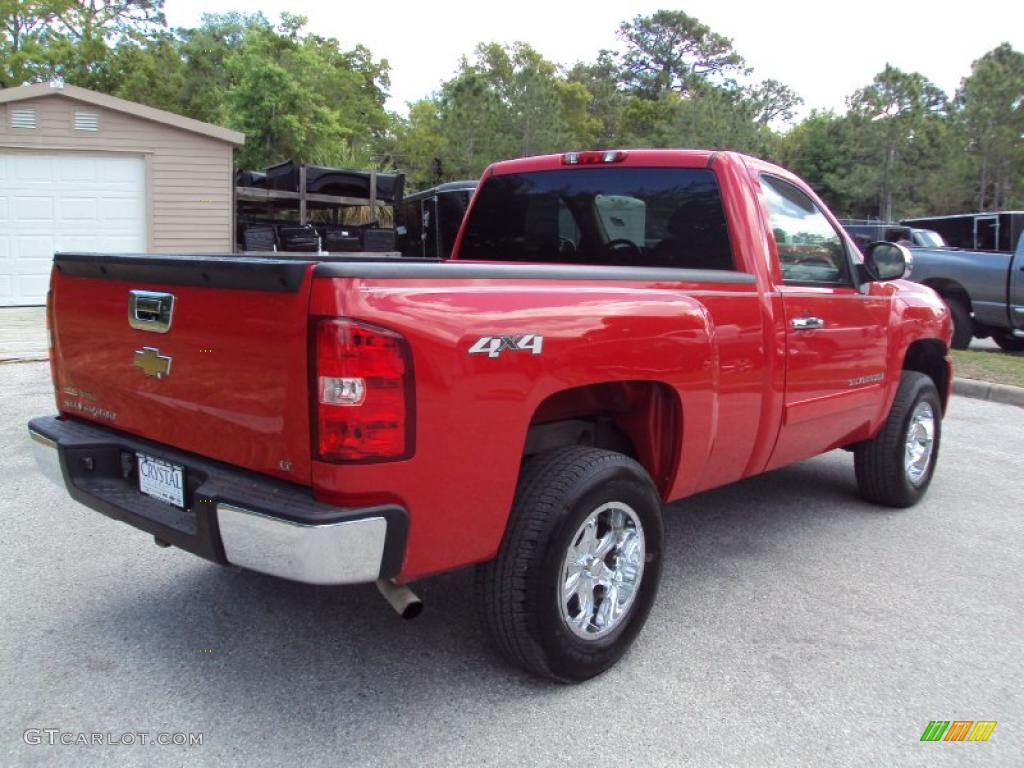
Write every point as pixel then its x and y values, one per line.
pixel 983 185
pixel 1002 194
pixel 885 200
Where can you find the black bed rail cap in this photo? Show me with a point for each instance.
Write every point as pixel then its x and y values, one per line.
pixel 210 270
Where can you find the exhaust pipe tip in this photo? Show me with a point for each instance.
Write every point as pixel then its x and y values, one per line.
pixel 412 610
pixel 161 543
pixel 401 598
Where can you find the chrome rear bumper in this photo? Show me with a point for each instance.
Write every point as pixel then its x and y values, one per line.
pixel 232 516
pixel 44 451
pixel 348 552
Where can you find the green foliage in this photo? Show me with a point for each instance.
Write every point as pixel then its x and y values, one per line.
pixel 154 74
pixel 300 97
pixel 205 52
pixel 893 121
pixel 507 101
pixel 901 148
pixel 992 121
pixel 82 34
pixel 295 95
pixel 645 122
pixel 104 19
pixel 707 118
pixel 606 100
pixel 25 34
pixel 420 143
pixel 672 51
pixel 772 102
pixel 818 150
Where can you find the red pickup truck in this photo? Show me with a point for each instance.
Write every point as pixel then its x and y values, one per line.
pixel 615 330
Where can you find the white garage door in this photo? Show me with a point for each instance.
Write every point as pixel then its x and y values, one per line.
pixel 73 201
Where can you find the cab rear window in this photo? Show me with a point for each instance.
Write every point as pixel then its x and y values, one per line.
pixel 644 217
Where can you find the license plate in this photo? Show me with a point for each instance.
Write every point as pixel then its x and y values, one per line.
pixel 162 480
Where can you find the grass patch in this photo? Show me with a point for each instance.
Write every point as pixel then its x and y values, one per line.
pixel 989 365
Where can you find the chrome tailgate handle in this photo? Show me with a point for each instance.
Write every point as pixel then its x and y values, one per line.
pixel 150 311
pixel 807 323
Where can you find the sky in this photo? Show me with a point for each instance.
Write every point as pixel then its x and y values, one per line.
pixel 822 50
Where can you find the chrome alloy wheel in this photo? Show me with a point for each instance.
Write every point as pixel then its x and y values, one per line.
pixel 601 570
pixel 920 443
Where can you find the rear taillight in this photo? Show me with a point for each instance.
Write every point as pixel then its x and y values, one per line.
pixel 364 393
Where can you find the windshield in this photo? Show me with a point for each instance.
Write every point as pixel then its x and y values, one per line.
pixel 928 238
pixel 663 217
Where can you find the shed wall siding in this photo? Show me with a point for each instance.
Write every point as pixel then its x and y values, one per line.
pixel 189 176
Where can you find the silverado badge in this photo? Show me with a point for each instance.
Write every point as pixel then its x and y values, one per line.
pixel 152 363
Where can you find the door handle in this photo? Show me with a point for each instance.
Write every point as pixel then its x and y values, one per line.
pixel 807 323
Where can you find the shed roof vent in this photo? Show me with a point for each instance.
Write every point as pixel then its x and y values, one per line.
pixel 23 117
pixel 87 121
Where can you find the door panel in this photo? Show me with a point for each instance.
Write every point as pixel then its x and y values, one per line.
pixel 834 373
pixel 836 336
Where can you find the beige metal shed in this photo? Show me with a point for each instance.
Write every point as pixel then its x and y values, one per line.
pixel 81 170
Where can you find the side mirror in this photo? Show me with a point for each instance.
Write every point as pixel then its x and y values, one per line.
pixel 887 261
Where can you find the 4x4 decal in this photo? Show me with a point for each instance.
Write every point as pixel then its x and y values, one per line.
pixel 492 346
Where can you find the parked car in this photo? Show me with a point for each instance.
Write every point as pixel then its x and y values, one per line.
pixel 983 289
pixel 614 331
pixel 866 231
pixel 927 238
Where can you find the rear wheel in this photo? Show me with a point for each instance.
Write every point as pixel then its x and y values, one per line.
pixel 578 569
pixel 896 466
pixel 963 323
pixel 1007 341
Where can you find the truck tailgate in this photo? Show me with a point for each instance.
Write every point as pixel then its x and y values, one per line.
pixel 216 363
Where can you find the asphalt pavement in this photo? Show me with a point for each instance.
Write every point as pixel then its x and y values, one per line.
pixel 796 625
pixel 22 334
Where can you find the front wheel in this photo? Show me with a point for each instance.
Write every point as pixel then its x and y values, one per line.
pixel 579 566
pixel 896 466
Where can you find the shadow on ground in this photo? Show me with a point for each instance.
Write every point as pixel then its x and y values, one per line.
pixel 239 633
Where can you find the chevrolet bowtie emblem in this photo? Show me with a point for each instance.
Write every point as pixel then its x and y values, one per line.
pixel 151 362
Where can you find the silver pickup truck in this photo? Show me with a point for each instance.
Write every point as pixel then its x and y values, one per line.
pixel 984 291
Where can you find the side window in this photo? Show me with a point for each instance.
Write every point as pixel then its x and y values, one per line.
pixel 810 250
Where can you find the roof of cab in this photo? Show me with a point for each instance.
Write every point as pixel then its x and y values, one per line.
pixel 680 158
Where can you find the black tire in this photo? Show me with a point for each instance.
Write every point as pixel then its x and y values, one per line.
pixel 882 474
pixel 1008 342
pixel 519 591
pixel 963 323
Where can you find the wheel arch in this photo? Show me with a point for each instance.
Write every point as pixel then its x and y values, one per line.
pixel 928 356
pixel 642 419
